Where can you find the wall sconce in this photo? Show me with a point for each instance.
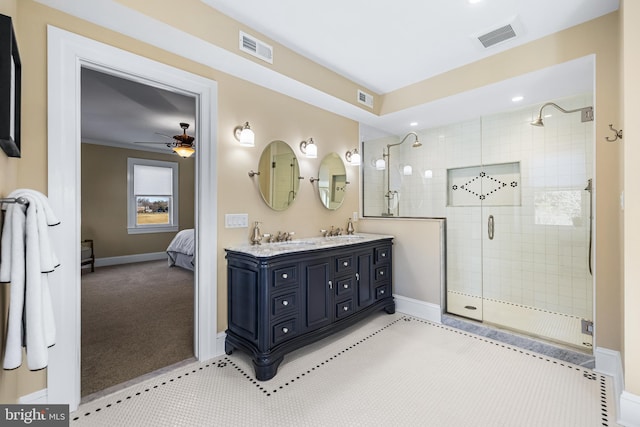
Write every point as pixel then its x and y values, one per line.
pixel 353 157
pixel 244 135
pixel 428 173
pixel 407 170
pixel 380 164
pixel 309 148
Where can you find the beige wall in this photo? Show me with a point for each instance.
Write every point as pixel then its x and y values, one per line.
pixel 104 201
pixel 20 381
pixel 275 116
pixel 631 135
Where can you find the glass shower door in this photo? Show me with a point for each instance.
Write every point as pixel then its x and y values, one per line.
pixel 535 248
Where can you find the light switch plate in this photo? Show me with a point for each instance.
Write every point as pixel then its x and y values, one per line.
pixel 236 220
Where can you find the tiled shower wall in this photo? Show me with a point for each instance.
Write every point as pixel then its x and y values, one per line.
pixel 539 256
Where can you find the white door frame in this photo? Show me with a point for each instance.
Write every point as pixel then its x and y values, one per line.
pixel 67 54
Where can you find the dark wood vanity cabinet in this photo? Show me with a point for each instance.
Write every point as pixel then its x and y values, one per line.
pixel 281 302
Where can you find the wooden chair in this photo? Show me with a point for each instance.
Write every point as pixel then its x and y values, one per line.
pixel 86 254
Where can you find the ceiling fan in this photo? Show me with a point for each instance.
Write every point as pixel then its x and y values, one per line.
pixel 183 145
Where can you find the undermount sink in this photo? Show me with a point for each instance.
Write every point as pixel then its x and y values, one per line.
pixel 347 236
pixel 293 243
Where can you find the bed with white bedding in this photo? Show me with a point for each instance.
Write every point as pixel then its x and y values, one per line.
pixel 181 250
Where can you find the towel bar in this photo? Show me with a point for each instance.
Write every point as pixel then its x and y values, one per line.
pixel 19 200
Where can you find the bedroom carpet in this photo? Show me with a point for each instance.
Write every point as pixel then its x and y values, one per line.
pixel 136 318
pixel 389 370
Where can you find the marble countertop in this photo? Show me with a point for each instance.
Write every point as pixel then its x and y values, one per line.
pixel 306 244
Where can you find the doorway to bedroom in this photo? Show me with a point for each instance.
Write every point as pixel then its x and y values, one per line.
pixel 67 54
pixel 137 197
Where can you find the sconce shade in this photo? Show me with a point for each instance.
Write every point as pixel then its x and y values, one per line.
pixel 353 157
pixel 309 149
pixel 407 170
pixel 428 173
pixel 244 135
pixel 183 151
pixel 380 164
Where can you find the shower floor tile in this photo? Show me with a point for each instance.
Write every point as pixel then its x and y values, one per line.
pixel 556 327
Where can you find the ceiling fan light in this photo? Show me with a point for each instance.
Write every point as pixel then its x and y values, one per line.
pixel 183 151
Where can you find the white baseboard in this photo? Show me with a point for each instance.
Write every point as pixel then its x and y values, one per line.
pixel 128 259
pixel 609 362
pixel 36 398
pixel 629 414
pixel 220 343
pixel 423 310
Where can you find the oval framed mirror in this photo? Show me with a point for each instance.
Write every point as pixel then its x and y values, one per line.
pixel 332 181
pixel 279 175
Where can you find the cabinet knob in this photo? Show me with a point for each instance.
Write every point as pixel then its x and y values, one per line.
pixel 382 273
pixel 383 254
pixel 285 275
pixel 346 286
pixel 358 276
pixel 345 308
pixel 285 302
pixel 346 263
pixel 382 292
pixel 285 330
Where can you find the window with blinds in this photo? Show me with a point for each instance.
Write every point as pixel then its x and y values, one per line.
pixel 152 196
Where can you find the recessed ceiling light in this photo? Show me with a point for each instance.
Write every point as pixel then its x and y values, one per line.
pixel 473 1
pixel 517 98
pixel 413 124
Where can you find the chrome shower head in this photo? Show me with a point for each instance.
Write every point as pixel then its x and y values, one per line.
pixel 586 113
pixel 537 122
pixel 417 144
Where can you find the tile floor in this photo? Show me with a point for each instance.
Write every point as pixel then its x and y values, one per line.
pixel 387 370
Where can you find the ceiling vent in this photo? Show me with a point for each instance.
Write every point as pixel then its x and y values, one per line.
pixel 497 36
pixel 365 98
pixel 255 47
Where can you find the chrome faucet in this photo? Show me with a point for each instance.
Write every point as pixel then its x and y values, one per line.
pixel 256 237
pixel 284 237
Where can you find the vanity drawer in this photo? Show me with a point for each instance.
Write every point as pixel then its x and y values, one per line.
pixel 344 264
pixel 382 254
pixel 284 330
pixel 344 286
pixel 285 276
pixel 344 308
pixel 383 291
pixel 381 273
pixel 283 303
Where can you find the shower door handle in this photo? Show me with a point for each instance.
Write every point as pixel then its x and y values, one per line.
pixel 490 227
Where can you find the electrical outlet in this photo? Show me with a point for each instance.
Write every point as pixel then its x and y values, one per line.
pixel 354 217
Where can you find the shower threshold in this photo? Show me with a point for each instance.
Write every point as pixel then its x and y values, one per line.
pixel 528 343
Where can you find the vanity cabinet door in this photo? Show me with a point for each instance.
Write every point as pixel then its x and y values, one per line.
pixel 317 289
pixel 364 282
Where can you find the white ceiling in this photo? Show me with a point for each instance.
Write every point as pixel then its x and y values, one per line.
pixel 385 45
pixel 382 45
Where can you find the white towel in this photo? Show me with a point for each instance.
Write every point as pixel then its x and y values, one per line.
pixel 13 263
pixel 44 217
pixel 27 258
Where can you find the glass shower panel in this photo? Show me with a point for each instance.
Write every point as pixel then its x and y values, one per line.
pixel 462 155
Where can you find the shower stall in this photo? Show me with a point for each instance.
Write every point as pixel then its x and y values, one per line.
pixel 517 200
